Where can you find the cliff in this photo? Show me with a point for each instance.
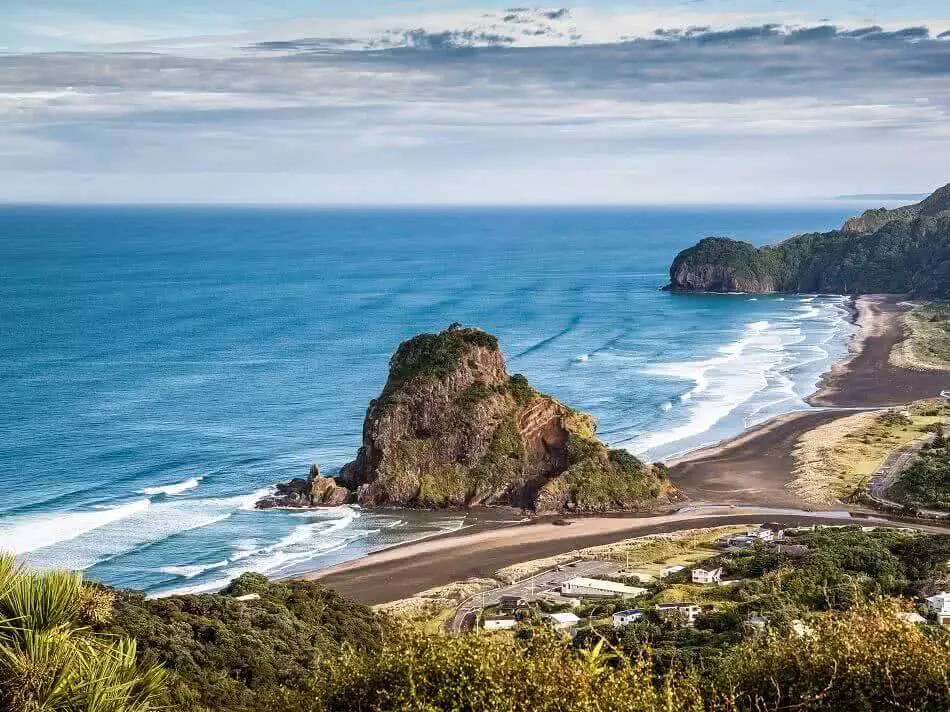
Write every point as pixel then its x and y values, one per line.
pixel 451 428
pixel 905 250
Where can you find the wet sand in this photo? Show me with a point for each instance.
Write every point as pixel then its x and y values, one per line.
pixel 753 468
pixel 406 570
pixel 750 471
pixel 867 379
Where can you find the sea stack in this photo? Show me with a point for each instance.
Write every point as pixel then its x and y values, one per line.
pixel 451 428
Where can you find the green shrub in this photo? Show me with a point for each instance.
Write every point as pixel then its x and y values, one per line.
pixel 224 654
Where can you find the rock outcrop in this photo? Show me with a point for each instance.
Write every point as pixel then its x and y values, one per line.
pixel 315 491
pixel 905 250
pixel 453 429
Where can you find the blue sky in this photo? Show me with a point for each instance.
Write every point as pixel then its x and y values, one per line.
pixel 442 101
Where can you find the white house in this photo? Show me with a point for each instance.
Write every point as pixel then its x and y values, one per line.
pixel 564 621
pixel 670 570
pixel 707 575
pixel 911 617
pixel 595 588
pixel 499 623
pixel 939 605
pixel 690 610
pixel 248 597
pixel 622 618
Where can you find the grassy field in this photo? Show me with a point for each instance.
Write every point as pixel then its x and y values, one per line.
pixel 928 344
pixel 836 460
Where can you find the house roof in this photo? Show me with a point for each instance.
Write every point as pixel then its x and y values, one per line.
pixel 611 586
pixel 564 618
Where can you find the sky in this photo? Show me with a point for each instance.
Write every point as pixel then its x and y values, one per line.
pixel 408 102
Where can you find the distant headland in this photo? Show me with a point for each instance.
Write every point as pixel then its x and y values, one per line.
pixel 904 250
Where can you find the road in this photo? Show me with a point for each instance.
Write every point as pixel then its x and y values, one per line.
pixel 530 589
pixel 888 473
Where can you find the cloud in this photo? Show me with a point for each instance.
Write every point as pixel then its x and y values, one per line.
pixel 763 105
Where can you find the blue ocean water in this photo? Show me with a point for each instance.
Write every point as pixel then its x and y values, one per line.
pixel 161 367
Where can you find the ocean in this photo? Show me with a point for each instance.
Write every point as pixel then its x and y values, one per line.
pixel 160 368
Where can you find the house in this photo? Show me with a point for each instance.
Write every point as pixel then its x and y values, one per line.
pixel 499 623
pixel 911 617
pixel 560 600
pixel 595 588
pixel 939 605
pixel 706 575
pixel 564 621
pixel 248 597
pixel 622 618
pixel 794 550
pixel 509 604
pixel 689 610
pixel 670 570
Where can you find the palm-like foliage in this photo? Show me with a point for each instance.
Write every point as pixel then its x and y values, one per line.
pixel 51 662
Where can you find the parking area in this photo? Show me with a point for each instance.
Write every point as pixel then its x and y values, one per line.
pixel 532 588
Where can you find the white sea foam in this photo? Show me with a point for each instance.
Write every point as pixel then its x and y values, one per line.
pixel 583 358
pixel 302 543
pixel 173 489
pixel 722 383
pixel 188 572
pixel 76 544
pixel 767 371
pixel 33 533
pixel 666 406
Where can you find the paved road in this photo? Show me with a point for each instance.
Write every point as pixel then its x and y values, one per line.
pixel 532 588
pixel 893 466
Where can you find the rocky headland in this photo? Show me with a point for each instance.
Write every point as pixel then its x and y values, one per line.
pixel 901 251
pixel 452 428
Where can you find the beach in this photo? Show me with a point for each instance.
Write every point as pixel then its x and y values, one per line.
pixel 741 480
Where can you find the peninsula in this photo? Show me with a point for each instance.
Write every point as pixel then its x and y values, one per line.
pixel 900 251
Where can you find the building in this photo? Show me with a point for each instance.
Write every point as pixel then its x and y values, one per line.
pixel 499 623
pixel 911 617
pixel 559 600
pixel 509 604
pixel 670 570
pixel 765 533
pixel 564 621
pixel 939 605
pixel 756 623
pixel 793 550
pixel 622 618
pixel 248 597
pixel 688 610
pixel 595 588
pixel 707 575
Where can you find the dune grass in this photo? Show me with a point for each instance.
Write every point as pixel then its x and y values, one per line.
pixel 927 346
pixel 836 460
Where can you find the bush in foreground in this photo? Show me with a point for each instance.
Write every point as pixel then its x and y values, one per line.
pixel 49 659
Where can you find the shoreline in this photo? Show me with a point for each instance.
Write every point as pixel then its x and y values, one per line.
pixel 740 480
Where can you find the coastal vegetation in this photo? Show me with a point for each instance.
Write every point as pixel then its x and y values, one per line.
pixel 906 250
pixel 927 345
pixel 51 661
pixel 836 639
pixel 925 484
pixel 250 647
pixel 836 460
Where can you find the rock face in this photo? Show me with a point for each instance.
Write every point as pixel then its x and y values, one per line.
pixel 453 429
pixel 906 250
